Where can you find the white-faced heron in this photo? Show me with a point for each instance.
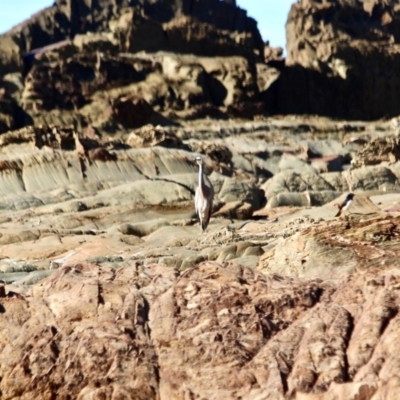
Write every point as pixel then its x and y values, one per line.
pixel 203 200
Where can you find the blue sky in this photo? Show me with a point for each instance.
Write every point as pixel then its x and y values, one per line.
pixel 270 14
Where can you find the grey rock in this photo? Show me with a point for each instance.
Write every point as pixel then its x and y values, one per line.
pixel 33 277
pixel 374 178
pixel 292 181
pixel 291 162
pixel 246 261
pixel 173 261
pixel 11 277
pixel 336 180
pixel 322 197
pixel 233 190
pixel 105 259
pixel 322 148
pixel 289 199
pixel 253 251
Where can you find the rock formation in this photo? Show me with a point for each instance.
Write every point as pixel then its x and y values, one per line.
pixel 111 290
pixel 73 62
pixel 341 61
pixel 66 19
pixel 112 327
pixel 342 58
pixel 108 288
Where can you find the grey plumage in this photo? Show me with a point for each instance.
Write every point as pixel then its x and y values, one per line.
pixel 204 196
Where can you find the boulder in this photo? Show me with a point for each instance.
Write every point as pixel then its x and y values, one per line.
pixel 374 178
pixel 131 112
pixel 376 151
pixel 335 247
pixel 234 189
pixel 150 136
pixel 292 181
pixel 66 19
pixel 11 55
pixel 217 152
pixel 305 199
pixel 336 52
pixel 222 317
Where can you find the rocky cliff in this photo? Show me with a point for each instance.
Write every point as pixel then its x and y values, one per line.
pixel 72 62
pixel 342 59
pixel 67 18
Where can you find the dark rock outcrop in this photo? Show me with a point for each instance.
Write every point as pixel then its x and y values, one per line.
pixel 76 60
pixel 342 60
pixel 65 19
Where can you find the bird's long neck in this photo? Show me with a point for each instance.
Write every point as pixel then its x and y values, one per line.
pixel 201 178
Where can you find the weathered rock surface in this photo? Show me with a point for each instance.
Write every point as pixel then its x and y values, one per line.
pixel 85 332
pixel 74 56
pixel 108 288
pixel 336 52
pixel 99 65
pixel 78 17
pixel 78 69
pixel 108 277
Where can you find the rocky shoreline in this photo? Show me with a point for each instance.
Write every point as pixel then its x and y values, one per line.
pixel 108 287
pixel 123 261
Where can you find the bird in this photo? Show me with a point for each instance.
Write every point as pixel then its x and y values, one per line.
pixel 204 196
pixel 346 203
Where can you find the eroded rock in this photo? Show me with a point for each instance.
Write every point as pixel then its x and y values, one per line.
pixel 228 317
pixel 149 136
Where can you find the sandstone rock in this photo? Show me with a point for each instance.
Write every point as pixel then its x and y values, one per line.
pixel 143 228
pixel 11 55
pixel 319 148
pixel 222 307
pixel 328 163
pixel 149 136
pixel 292 162
pixel 235 210
pixel 233 190
pixel 328 52
pixel 78 18
pixel 216 151
pixel 74 81
pixel 378 178
pixel 208 28
pixel 377 151
pixel 289 200
pixel 110 101
pixel 360 205
pixel 245 261
pixel 159 305
pixel 339 181
pixel 306 199
pixel 291 181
